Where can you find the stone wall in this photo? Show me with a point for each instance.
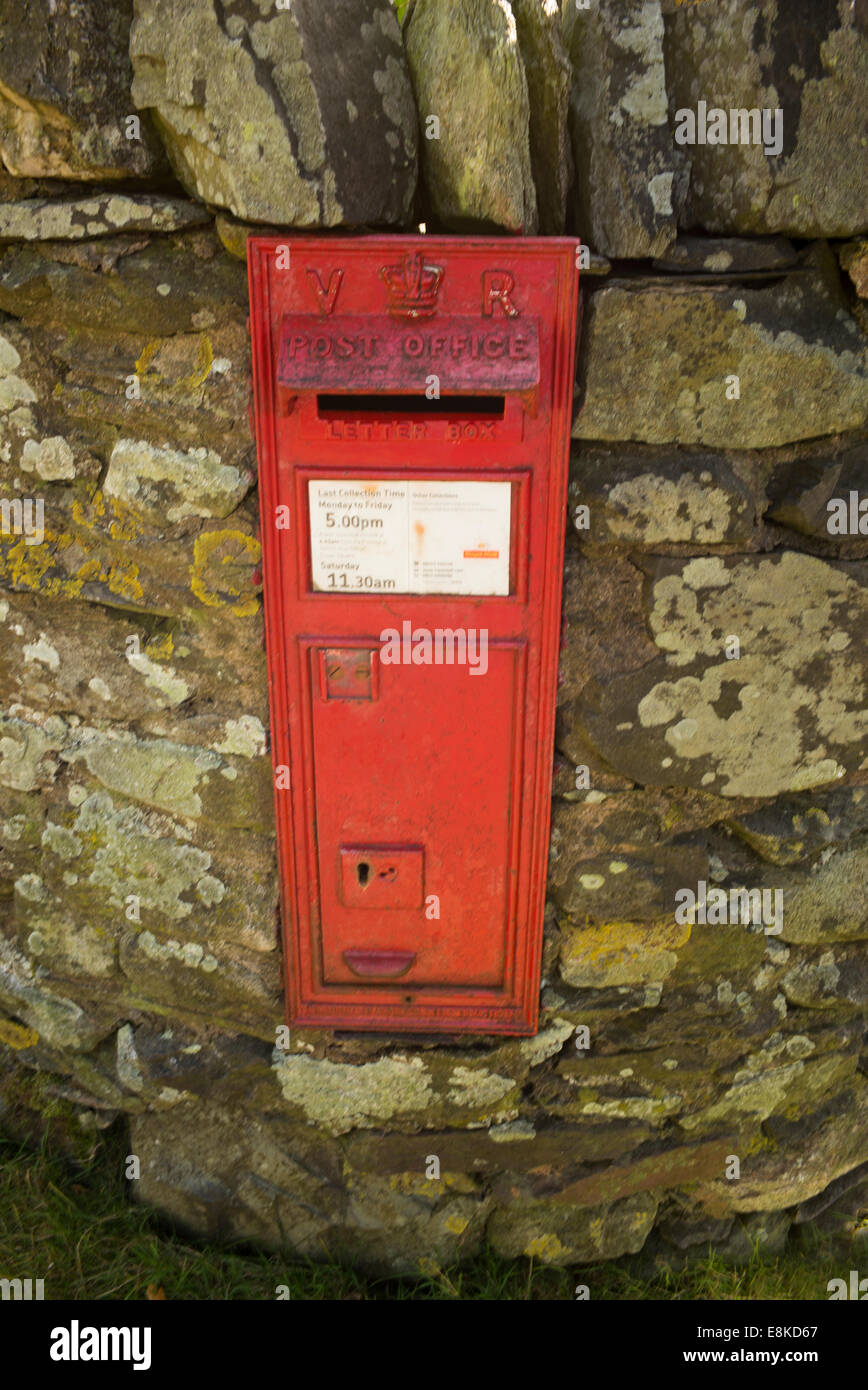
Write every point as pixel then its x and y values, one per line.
pixel 711 723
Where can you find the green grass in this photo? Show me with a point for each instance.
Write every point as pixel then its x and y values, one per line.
pixel 77 1230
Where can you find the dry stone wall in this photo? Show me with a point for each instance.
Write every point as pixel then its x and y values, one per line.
pixel 692 1081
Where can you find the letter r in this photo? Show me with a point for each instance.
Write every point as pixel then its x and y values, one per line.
pixel 497 285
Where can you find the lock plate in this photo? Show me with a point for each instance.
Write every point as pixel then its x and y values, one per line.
pixel 348 673
pixel 382 876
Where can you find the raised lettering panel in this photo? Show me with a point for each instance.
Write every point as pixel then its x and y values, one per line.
pixel 353 352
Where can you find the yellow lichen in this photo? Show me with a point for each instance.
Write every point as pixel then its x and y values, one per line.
pixel 241 550
pixel 621 953
pixel 124 525
pixel 194 379
pixel 14 1035
pixel 545 1248
pixel 161 648
pixel 123 580
pixel 25 566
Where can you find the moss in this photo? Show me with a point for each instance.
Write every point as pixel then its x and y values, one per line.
pixel 31 1111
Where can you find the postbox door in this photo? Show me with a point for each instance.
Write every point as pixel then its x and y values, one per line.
pixel 415 808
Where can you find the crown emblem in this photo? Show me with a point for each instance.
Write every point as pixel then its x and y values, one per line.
pixel 412 287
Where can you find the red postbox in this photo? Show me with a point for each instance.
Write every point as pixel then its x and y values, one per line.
pixel 413 405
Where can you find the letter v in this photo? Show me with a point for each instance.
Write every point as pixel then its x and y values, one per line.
pixel 325 298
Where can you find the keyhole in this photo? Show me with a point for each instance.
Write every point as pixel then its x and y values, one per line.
pixel 363 873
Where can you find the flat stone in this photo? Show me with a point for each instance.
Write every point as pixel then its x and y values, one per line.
pixel 735 1242
pixel 802 1154
pixel 549 79
pixel 783 1074
pixel 851 1184
pixel 191 781
pixel 43 219
pixel 621 953
pixel 65 103
pixel 287 1188
pixel 654 497
pixel 697 716
pixel 645 1088
pixel 401 1090
pixel 605 632
pixel 597 265
pixel 801 491
pixel 557 1234
pixel 643 819
pixel 809 58
pixel 424 1090
pixel 854 259
pixel 115 893
pixel 248 1178
pixel 173 973
pixel 32 446
pixel 717 366
pixel 630 181
pixel 180 403
pixel 20 831
pixel 728 972
pixel 470 88
pixel 482 1152
pixel 182 283
pixel 725 984
pixel 326 99
pixel 106 862
pixel 180 779
pixel 29 996
pixel 412 1224
pixel 165 1063
pixel 12 190
pixel 695 255
pixel 83 550
pixel 172 483
pixel 625 887
pixel 686 1229
pixel 234 234
pixel 829 905
pixel 27 749
pixel 670 1168
pixel 827 976
pixel 801 829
